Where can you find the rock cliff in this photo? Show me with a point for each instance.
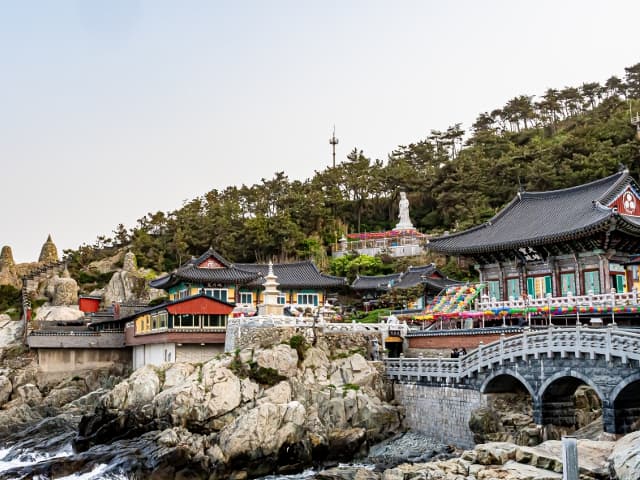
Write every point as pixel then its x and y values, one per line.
pixel 249 414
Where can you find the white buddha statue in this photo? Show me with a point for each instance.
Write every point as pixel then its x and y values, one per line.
pixel 403 215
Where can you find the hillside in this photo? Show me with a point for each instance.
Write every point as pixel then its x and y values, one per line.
pixel 454 179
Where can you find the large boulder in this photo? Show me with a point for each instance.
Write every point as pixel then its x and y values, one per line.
pixel 625 457
pixel 281 358
pixel 5 389
pixel 263 431
pixel 10 330
pixel 58 313
pixel 138 390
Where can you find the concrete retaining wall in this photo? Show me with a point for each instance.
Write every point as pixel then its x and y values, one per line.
pixel 441 412
pixel 76 360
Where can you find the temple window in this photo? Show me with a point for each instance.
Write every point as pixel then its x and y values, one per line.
pixel 568 284
pixel 217 293
pixel 307 299
pixel 513 287
pixel 539 287
pixel 592 282
pixel 246 298
pixel 493 288
pixel 212 321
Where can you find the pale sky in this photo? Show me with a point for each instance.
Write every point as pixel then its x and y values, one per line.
pixel 112 109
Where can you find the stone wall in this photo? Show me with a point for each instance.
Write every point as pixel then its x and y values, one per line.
pixel 239 337
pixel 197 353
pixel 443 413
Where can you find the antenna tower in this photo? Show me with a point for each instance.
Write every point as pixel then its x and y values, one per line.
pixel 333 141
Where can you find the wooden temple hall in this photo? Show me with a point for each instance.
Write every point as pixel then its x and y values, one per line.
pixel 577 241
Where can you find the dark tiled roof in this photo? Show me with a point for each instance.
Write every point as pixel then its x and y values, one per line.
pixel 378 282
pixel 294 275
pixel 416 276
pixel 191 274
pixel 440 283
pixel 539 218
pixel 209 253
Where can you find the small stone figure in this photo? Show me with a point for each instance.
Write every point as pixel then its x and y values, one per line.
pixel 374 350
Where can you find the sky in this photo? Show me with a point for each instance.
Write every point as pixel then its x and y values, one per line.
pixel 113 109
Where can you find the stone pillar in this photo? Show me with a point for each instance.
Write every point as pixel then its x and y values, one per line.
pixel 578 276
pixel 537 412
pixel 504 295
pixel 605 278
pixel 569 458
pixel 608 417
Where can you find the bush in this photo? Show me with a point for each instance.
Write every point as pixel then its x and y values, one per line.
pixel 265 375
pixel 10 298
pixel 299 344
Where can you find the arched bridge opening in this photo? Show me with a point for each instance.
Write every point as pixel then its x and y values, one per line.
pixel 508 415
pixel 568 404
pixel 626 406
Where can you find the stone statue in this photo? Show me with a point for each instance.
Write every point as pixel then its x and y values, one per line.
pixel 403 216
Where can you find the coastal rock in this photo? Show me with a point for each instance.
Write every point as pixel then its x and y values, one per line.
pixel 176 374
pixel 281 358
pixel 5 389
pixel 28 394
pixel 140 389
pixel 625 457
pixel 354 370
pixel 347 473
pixel 264 431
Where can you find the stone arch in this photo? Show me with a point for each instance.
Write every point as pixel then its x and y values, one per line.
pixel 556 401
pixel 624 402
pixel 507 372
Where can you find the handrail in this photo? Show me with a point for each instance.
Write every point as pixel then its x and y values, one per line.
pixel 609 342
pixel 607 299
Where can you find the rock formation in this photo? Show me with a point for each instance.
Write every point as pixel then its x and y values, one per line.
pixel 129 284
pixel 62 290
pixel 252 413
pixel 8 273
pixel 49 252
pixel 6 258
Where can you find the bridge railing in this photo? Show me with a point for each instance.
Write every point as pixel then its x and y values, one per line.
pixel 609 299
pixel 575 342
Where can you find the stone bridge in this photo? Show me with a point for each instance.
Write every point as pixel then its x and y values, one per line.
pixel 549 364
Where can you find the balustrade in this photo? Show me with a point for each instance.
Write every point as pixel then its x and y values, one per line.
pixel 600 299
pixel 609 342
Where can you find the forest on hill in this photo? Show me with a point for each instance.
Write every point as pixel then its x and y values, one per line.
pixel 454 179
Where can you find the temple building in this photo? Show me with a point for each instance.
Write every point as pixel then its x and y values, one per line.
pixel 433 281
pixel 301 284
pixel 574 241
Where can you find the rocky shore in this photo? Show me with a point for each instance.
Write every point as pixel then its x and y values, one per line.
pixel 242 415
pixel 255 412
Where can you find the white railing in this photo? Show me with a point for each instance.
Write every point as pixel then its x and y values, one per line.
pixel 601 299
pixel 576 342
pixel 319 323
